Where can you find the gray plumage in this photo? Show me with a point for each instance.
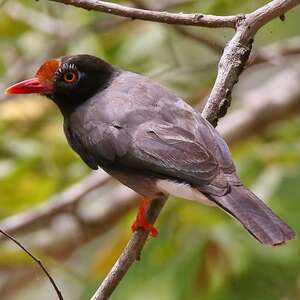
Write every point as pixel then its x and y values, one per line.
pixel 140 132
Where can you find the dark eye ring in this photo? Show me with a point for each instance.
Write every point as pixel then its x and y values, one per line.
pixel 70 77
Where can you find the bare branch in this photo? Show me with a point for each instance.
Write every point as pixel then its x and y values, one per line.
pixel 264 14
pixel 58 292
pixel 195 19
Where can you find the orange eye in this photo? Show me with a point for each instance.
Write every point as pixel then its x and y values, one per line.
pixel 70 77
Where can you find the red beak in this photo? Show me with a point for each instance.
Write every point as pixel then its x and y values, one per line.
pixel 30 86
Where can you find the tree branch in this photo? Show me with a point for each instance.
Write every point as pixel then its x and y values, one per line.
pixel 195 19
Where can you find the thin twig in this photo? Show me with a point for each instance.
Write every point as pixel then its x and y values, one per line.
pixel 58 292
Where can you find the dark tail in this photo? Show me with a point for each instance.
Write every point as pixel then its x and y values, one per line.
pixel 255 216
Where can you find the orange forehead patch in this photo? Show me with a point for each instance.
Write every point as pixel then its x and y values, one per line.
pixel 48 69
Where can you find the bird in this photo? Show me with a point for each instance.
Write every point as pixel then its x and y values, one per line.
pixel 149 139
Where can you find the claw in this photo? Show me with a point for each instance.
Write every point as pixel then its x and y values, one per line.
pixel 141 220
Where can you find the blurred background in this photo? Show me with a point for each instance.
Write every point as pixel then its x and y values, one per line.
pixel 78 222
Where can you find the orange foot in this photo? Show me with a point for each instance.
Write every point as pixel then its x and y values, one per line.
pixel 141 220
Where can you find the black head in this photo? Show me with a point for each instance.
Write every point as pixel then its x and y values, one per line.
pixel 68 81
pixel 78 78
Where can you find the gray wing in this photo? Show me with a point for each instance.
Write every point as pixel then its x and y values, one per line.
pixel 171 151
pixel 162 149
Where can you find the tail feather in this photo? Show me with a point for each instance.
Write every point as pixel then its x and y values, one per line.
pixel 254 215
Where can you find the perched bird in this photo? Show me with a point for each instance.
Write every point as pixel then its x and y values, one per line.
pixel 149 139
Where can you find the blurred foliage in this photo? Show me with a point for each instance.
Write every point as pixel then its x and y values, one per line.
pixel 200 252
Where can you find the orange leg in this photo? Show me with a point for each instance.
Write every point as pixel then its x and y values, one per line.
pixel 141 220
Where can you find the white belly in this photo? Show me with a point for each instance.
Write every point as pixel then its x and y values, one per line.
pixel 182 190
